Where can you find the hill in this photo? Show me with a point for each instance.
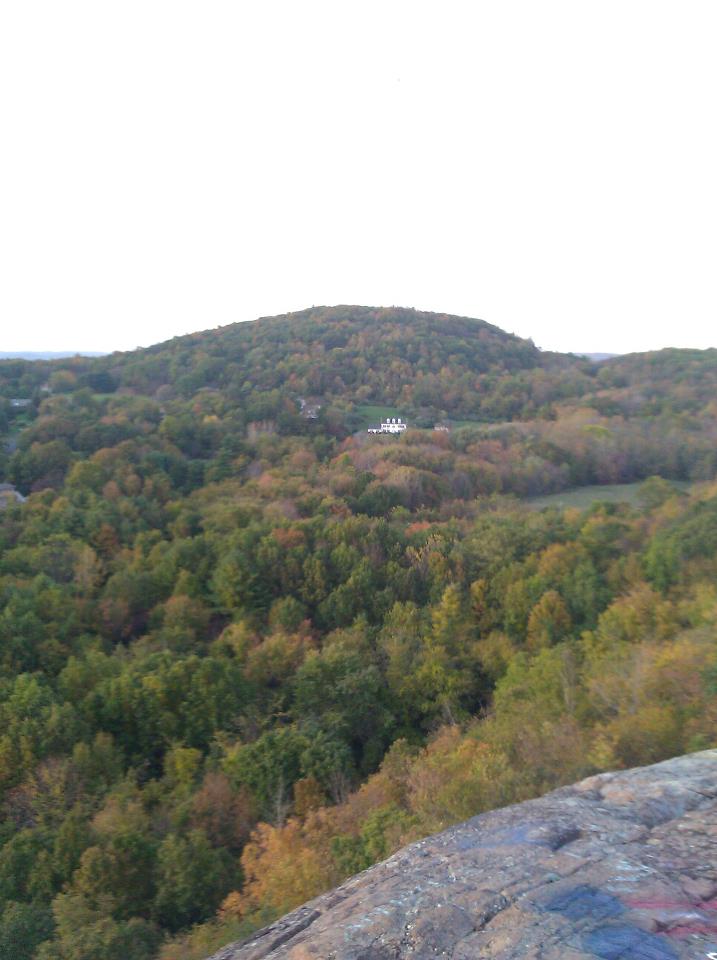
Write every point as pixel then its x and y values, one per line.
pixel 248 649
pixel 48 354
pixel 355 354
pixel 401 357
pixel 431 366
pixel 537 422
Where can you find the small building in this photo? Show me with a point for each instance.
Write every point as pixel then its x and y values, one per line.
pixel 309 408
pixel 259 428
pixel 389 425
pixel 442 427
pixel 18 402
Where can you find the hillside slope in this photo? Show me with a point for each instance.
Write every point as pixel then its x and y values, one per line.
pixel 247 652
pixel 620 865
pixel 350 354
pixel 356 354
pixel 426 365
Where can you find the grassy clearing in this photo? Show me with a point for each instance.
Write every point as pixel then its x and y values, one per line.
pixel 583 497
pixel 457 424
pixel 371 414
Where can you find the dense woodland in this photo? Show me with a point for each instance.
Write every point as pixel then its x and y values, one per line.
pixel 246 653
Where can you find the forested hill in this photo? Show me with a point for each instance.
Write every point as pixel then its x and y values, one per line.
pixel 349 352
pixel 423 361
pixel 329 372
pixel 429 365
pixel 248 649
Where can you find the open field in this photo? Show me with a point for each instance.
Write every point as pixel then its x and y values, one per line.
pixel 457 424
pixel 370 414
pixel 583 497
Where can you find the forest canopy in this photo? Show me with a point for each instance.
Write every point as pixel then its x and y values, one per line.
pixel 249 649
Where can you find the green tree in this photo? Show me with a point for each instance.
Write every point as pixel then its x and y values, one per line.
pixel 192 879
pixel 23 927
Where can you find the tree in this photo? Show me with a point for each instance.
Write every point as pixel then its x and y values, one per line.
pixel 549 621
pixel 84 933
pixel 282 869
pixel 116 878
pixel 23 927
pixel 192 879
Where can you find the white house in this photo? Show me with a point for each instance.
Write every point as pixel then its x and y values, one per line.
pixel 389 425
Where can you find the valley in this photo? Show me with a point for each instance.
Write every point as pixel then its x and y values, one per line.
pixel 249 649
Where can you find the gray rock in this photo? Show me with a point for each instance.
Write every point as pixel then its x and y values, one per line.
pixel 622 866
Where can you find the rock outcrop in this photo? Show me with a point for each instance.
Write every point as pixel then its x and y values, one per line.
pixel 622 866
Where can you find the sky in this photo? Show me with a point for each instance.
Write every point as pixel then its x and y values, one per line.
pixel 174 166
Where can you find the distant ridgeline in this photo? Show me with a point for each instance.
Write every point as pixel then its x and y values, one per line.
pixel 406 359
pixel 247 648
pixel 335 371
pixel 48 355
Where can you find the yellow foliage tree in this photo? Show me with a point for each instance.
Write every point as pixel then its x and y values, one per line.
pixel 284 866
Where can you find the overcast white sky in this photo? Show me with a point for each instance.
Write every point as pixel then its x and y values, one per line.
pixel 168 166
